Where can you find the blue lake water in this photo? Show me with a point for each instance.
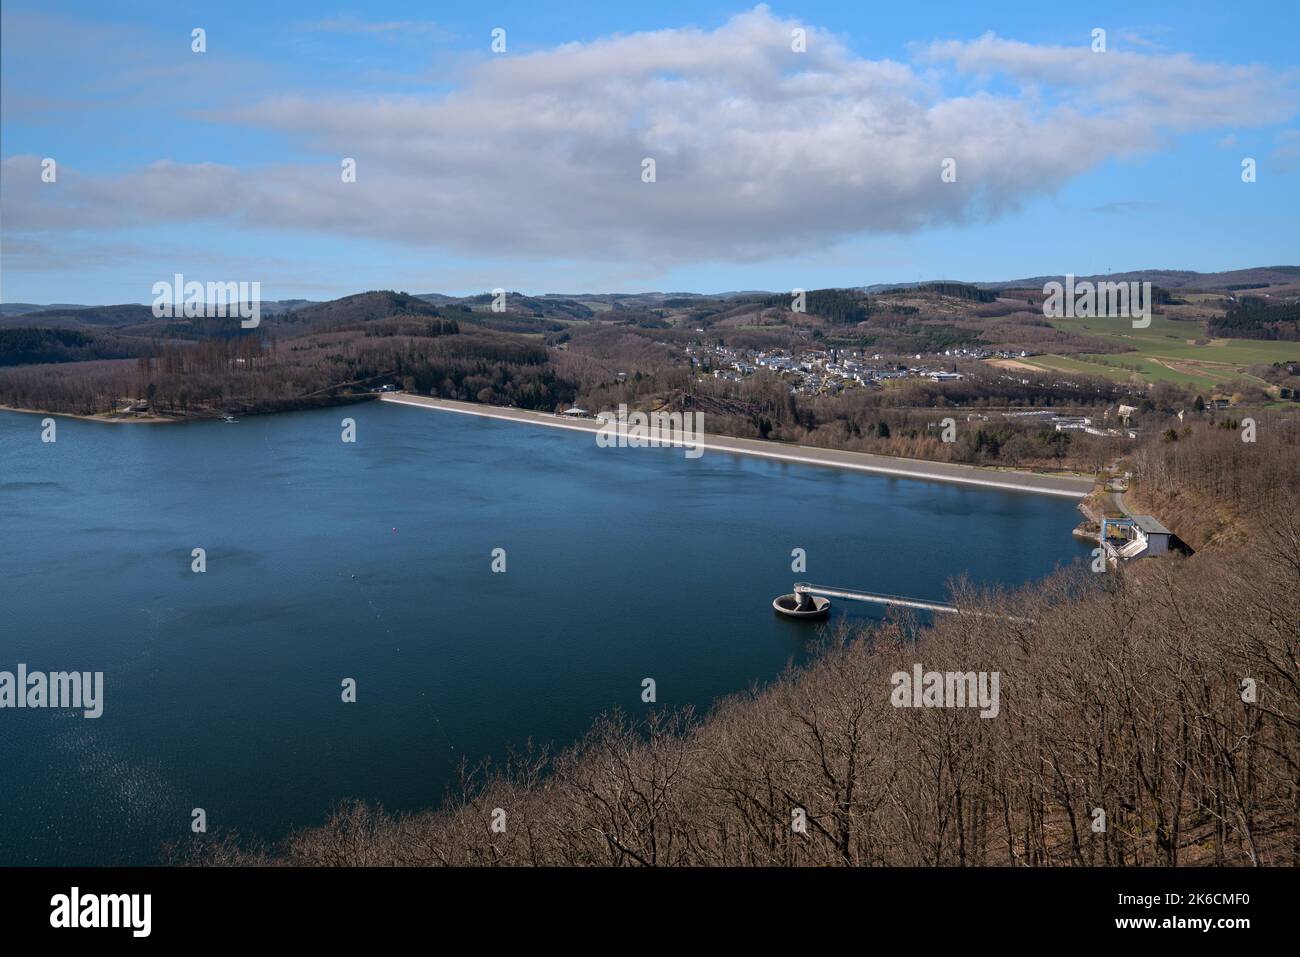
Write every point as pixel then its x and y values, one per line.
pixel 372 561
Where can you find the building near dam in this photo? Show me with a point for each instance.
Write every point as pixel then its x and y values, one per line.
pixel 1143 536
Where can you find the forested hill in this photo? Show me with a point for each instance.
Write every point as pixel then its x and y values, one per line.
pixel 840 306
pixel 1256 318
pixel 361 308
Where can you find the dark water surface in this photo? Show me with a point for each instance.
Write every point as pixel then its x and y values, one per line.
pixel 371 561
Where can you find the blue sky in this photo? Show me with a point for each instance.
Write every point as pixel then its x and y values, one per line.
pixel 522 170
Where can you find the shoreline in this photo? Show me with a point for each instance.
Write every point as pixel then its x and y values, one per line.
pixel 1059 485
pixel 155 419
pixel 134 420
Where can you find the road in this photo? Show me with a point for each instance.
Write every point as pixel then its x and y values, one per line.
pixel 1062 485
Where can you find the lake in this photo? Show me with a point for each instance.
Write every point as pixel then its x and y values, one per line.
pixel 372 561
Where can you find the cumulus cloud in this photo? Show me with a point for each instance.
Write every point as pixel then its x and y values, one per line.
pixel 760 151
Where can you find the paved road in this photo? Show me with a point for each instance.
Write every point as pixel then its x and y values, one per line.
pixel 1063 485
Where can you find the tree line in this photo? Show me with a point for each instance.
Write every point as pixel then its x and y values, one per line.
pixel 1255 318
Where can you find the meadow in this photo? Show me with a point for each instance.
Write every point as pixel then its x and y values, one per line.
pixel 1169 350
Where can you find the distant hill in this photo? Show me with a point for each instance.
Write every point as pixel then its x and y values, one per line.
pixel 363 307
pixel 379 304
pixel 128 314
pixel 538 307
pixel 56 317
pixel 955 290
pixel 1187 280
pixel 18 308
pixel 841 306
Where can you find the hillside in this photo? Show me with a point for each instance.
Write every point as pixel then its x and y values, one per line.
pixel 360 308
pixel 1204 336
pixel 1183 279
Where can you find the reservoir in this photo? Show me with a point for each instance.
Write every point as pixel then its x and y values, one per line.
pixel 373 561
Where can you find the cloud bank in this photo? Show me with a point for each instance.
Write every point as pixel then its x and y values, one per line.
pixel 760 151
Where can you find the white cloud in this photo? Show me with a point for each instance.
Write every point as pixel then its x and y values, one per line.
pixel 1174 91
pixel 760 151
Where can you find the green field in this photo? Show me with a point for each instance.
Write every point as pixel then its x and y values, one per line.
pixel 1166 351
pixel 1127 366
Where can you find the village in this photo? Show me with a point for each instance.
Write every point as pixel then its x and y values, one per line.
pixel 830 371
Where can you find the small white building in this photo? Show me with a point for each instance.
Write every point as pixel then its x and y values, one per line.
pixel 1148 538
pixel 1152 533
